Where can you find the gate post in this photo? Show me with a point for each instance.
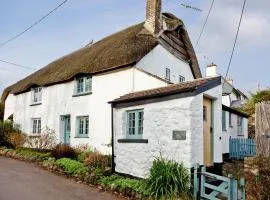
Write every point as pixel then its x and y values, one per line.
pixel 203 170
pixel 243 189
pixel 195 182
pixel 232 188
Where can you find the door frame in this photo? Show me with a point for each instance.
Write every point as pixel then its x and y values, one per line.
pixel 211 129
pixel 63 119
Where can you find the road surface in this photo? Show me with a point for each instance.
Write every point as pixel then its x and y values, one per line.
pixel 24 181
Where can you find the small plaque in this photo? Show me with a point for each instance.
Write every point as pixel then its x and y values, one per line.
pixel 179 135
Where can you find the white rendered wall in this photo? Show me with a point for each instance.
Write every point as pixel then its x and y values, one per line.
pixel 57 100
pixel 232 131
pixel 9 106
pixel 157 60
pixel 160 119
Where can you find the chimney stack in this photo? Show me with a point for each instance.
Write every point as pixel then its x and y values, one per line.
pixel 153 16
pixel 211 70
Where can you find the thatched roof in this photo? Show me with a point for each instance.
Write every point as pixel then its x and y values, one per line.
pixel 124 48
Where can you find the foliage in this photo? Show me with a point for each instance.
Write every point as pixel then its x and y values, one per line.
pixel 6 128
pixel 97 160
pixel 16 139
pixel 127 186
pixel 63 151
pixel 31 154
pixel 72 167
pixel 258 179
pixel 46 140
pixel 168 179
pixel 2 108
pixel 94 176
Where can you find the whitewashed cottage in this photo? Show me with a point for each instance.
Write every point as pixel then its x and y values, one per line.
pixel 71 95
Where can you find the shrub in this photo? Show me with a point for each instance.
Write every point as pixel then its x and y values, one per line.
pixel 46 140
pixel 168 179
pixel 16 139
pixel 63 151
pixel 127 186
pixel 72 167
pixel 32 155
pixel 97 160
pixel 257 178
pixel 6 128
pixel 94 176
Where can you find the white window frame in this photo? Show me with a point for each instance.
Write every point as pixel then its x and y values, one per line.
pixel 240 131
pixel 85 87
pixel 82 124
pixel 36 95
pixel 36 126
pixel 181 79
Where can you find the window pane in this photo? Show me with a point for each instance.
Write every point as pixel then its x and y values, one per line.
pixel 86 125
pixel 168 74
pixel 80 85
pixel 39 126
pixel 88 84
pixel 131 119
pixel 140 123
pixel 223 120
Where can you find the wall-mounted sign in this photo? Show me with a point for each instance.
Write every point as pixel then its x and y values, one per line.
pixel 179 135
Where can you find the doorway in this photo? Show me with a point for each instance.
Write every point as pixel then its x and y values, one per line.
pixel 65 121
pixel 208 131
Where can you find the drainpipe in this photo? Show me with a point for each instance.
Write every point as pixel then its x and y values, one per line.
pixel 113 163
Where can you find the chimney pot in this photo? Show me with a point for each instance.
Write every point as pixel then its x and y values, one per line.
pixel 153 16
pixel 211 70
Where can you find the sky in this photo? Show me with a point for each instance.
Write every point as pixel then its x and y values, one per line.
pixel 78 22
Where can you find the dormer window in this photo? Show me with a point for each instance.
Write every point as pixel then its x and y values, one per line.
pixel 83 85
pixel 37 95
pixel 168 74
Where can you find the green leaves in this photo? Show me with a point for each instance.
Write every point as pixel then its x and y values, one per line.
pixel 72 167
pixel 168 179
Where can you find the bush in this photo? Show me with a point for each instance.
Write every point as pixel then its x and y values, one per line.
pixel 127 186
pixel 63 151
pixel 6 128
pixel 97 160
pixel 32 155
pixel 258 179
pixel 46 140
pixel 94 176
pixel 16 139
pixel 168 179
pixel 72 167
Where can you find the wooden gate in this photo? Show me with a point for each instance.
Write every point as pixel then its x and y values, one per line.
pixel 214 187
pixel 241 148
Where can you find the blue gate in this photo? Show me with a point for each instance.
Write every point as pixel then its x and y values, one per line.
pixel 214 187
pixel 241 148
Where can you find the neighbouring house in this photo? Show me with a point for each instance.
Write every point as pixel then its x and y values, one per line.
pixel 234 121
pixel 71 94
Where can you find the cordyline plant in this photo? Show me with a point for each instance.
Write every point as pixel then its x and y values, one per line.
pixel 46 140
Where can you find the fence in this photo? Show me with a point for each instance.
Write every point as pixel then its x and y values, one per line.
pixel 211 186
pixel 241 148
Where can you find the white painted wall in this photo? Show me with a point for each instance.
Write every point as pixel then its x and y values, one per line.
pixel 9 106
pixel 232 131
pixel 160 119
pixel 57 100
pixel 157 60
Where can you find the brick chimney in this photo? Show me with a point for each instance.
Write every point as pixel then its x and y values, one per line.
pixel 211 70
pixel 153 16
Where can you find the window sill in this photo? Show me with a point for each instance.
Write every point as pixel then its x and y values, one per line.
pixel 132 141
pixel 35 104
pixel 81 94
pixel 34 135
pixel 81 137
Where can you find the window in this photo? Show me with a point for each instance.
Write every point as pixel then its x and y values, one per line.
pixel 135 124
pixel 239 125
pixel 83 85
pixel 181 78
pixel 168 74
pixel 36 95
pixel 230 120
pixel 224 120
pixel 36 126
pixel 82 126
